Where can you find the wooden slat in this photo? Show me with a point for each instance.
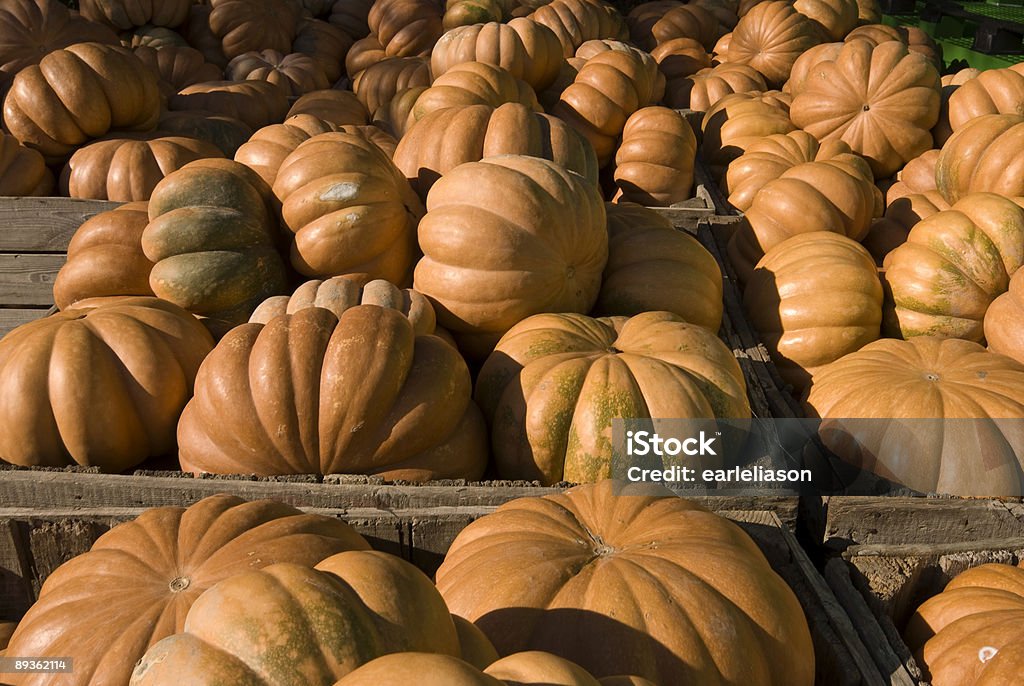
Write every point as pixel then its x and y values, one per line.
pixel 11 318
pixel 44 224
pixel 27 280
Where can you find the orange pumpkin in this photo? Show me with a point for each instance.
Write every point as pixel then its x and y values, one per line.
pixel 295 73
pixel 687 21
pixel 705 88
pixel 770 37
pixel 22 170
pixel 378 84
pixel 472 83
pixel 654 162
pixel 677 59
pixel 982 158
pixel 902 215
pixel 364 54
pixel 738 121
pixel 642 18
pixel 577 21
pixel 351 16
pixel 227 133
pixel 125 14
pixel 267 148
pixel 1002 325
pixel 835 17
pixel 405 28
pixel 257 103
pixel 824 52
pixel 917 176
pixel 247 25
pixel 177 67
pixel 339 108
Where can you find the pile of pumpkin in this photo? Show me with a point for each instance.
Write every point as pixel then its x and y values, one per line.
pixel 595 586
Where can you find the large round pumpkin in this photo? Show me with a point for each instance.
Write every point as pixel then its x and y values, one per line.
pixel 654 162
pixel 706 87
pixel 139 579
pixel 875 404
pixel 836 17
pixel 22 170
pixel 954 264
pixel 246 25
pixel 405 28
pixel 508 237
pixel 993 91
pixel 983 157
pixel 554 383
pixel 577 21
pixel 770 37
pixel 98 387
pixel 814 298
pixel 882 100
pixel 652 585
pixel 528 50
pixel 1004 320
pixel 350 209
pixel 267 148
pixel 257 103
pixel 378 84
pixel 126 14
pixel 295 73
pixel 472 83
pixel 359 394
pixel 738 121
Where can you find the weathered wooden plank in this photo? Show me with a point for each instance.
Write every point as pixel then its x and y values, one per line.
pixel 15 571
pixel 27 280
pixel 44 224
pixel 15 317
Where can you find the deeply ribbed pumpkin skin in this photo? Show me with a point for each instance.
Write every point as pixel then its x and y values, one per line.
pixel 979 613
pixel 918 176
pixel 140 579
pixel 99 386
pixel 362 394
pixel 882 100
pixel 677 60
pixel 267 148
pixel 177 67
pixel 577 21
pixel 687 21
pixel 246 25
pixel 652 266
pixel 825 52
pixel 954 264
pixel 703 89
pixel 654 162
pixel 341 108
pixel 1004 320
pixel 739 120
pixel 294 73
pixel 350 209
pixel 447 138
pixel 508 237
pixel 926 377
pixel 472 83
pixel 80 93
pixel 836 17
pixel 554 383
pixel 406 27
pixel 770 37
pixel 585 575
pixel 127 170
pixel 22 170
pixel 983 157
pixel 528 50
pixel 351 17
pixel 902 215
pixel 125 14
pixel 814 298
pixel 105 258
pixel 257 103
pixel 378 84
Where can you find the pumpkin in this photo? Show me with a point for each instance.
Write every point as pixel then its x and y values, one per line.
pixel 982 158
pixel 257 103
pixel 705 88
pixel 143 576
pixel 447 138
pixel 98 387
pixel 738 121
pixel 378 84
pixel 954 264
pixel 31 29
pixel 607 90
pixel 527 50
pixel 406 28
pixel 336 107
pixel 823 52
pixel 950 84
pixel 227 133
pixel 642 18
pixel 687 21
pixel 770 37
pixel 22 170
pixel 398 407
pixel 127 169
pixel 652 266
pixel 379 137
pixel 212 241
pixel 925 377
pixel 177 67
pixel 351 17
pixel 394 119
pixel 832 195
pixel 459 13
pixel 201 37
pixel 654 162
pixel 835 17
pixel 252 25
pixel 768 158
pixel 720 53
pixel 341 293
pixel 917 176
pixel 295 74
pixel 364 54
pixel 960 77
pixel 586 575
pixel 350 209
pixel 577 21
pixel 677 59
pixel 869 11
pixel 902 215
pixel 595 47
pixel 105 258
pixel 150 36
pixel 472 83
pixel 125 14
pixel 554 383
pixel 1002 320
pixel 325 43
pixel 505 238
pixel 995 91
pixel 814 298
pixel 882 100
pixel 267 148
pixel 112 89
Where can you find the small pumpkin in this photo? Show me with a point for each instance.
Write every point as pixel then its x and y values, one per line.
pixel 891 231
pixel 378 84
pixel 325 43
pixel 654 162
pixel 125 14
pixel 982 158
pixel 577 21
pixel 177 67
pixel 339 108
pixel 459 13
pixel 257 103
pixel 294 73
pixel 201 37
pixel 642 18
pixel 472 83
pixel 705 88
pixel 406 28
pixel 364 54
pixel 23 171
pixel 770 37
pixel 155 37
pixel 247 25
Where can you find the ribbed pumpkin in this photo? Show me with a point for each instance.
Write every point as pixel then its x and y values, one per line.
pixel 528 50
pixel 554 383
pixel 882 100
pixel 267 148
pixel 869 11
pixel 257 103
pixel 350 209
pixel 351 17
pixel 127 169
pixel 587 575
pixel 954 264
pixel 246 25
pixel 678 59
pixel 607 90
pixel 902 215
pixel 227 133
pixel 105 258
pixel 739 120
pixel 125 14
pixel 1003 328
pixel 948 379
pixel 969 634
pixel 505 238
pixel 705 88
pixel 472 83
pixel 917 176
pixel 141 578
pixel 376 135
pixel 364 54
pixel 652 266
pixel 212 241
pixel 814 298
pixel 112 89
pixel 833 195
pixel 201 37
pixel 642 18
pixel 768 158
pixel 22 170
pixel 326 44
pixel 824 52
pixel 447 138
pixel 294 73
pixel 982 157
pixel 98 387
pixel 459 13
pixel 406 27
pixel 836 17
pixel 177 67
pixel 687 21
pixel 378 84
pixel 156 37
pixel 993 91
pixel 770 37
pixel 333 106
pixel 359 394
pixel 577 21
pixel 654 162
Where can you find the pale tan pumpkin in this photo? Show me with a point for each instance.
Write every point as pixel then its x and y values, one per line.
pixel 577 21
pixel 916 177
pixel 472 83
pixel 257 103
pixel 808 60
pixel 994 91
pixel 294 73
pixel 339 108
pixel 1003 321
pixel 982 157
pixel 378 84
pixel 22 170
pixel 705 88
pixel 836 17
pixel 677 59
pixel 654 162
pixel 738 121
pixel 770 37
pixel 267 148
